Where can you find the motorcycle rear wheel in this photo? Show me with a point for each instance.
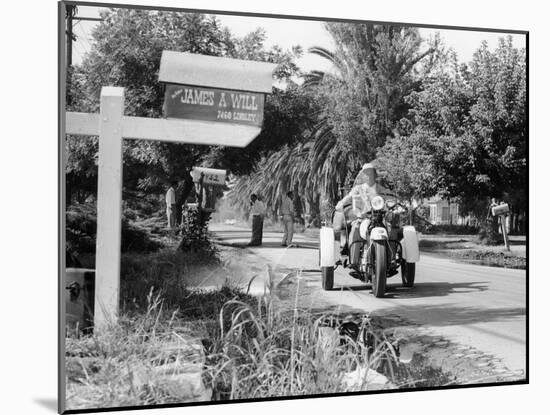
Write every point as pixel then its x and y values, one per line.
pixel 379 276
pixel 408 270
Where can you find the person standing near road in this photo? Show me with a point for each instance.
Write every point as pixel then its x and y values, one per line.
pixel 171 205
pixel 287 213
pixel 257 211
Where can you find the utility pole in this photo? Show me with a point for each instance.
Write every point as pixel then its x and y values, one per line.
pixel 70 15
pixel 70 11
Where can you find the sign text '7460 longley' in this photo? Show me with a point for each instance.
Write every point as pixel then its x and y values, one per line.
pixel 211 104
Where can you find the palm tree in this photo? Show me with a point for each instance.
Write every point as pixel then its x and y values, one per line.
pixel 374 69
pixel 376 65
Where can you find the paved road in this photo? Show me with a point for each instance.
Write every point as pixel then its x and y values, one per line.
pixel 479 306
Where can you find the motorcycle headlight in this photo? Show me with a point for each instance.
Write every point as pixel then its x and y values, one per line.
pixel 377 202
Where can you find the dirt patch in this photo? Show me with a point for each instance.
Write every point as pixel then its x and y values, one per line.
pixel 431 361
pixel 427 360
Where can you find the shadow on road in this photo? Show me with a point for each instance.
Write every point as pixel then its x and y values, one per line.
pixel 435 289
pixel 301 245
pixel 449 315
pixel 422 289
pixel 358 287
pixel 516 242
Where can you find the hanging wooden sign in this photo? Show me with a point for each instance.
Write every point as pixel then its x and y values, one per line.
pixel 213 104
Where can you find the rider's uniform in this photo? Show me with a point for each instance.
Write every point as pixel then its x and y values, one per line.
pixel 366 193
pixel 345 214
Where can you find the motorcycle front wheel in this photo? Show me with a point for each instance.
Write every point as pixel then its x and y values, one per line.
pixel 379 277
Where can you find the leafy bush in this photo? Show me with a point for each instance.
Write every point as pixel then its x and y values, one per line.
pixel 165 273
pixel 81 228
pixel 488 234
pixel 194 232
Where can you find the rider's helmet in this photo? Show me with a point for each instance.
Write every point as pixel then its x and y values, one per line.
pixel 366 176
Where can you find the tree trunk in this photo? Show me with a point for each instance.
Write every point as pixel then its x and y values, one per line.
pixel 314 209
pixel 298 208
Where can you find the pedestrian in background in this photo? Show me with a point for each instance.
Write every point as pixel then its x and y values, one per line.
pixel 171 205
pixel 257 211
pixel 287 213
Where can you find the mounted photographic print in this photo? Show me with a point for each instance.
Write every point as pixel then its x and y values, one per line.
pixel 260 207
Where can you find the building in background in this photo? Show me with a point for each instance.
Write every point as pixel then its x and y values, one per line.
pixel 443 212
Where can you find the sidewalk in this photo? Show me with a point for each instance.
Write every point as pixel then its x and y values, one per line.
pixel 238 236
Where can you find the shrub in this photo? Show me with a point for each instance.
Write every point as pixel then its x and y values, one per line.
pixel 488 234
pixel 165 273
pixel 81 228
pixel 194 232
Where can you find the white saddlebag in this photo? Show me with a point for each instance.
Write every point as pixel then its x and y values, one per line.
pixel 330 249
pixel 409 243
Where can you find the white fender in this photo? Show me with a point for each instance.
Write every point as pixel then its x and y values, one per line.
pixel 409 243
pixel 327 247
pixel 378 234
pixel 363 229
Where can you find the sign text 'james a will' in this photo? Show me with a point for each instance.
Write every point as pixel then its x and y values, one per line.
pixel 211 104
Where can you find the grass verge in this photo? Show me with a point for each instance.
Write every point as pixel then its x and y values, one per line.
pixel 465 249
pixel 247 351
pixel 490 258
pixel 222 345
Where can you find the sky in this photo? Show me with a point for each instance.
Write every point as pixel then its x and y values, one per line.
pixel 289 32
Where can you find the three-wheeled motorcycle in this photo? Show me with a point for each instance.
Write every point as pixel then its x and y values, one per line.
pixel 378 251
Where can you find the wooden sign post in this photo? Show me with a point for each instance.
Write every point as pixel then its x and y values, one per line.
pixel 109 204
pixel 112 127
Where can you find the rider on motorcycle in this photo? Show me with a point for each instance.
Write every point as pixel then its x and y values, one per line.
pixel 366 187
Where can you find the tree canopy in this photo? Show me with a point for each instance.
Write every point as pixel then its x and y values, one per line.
pixel 126 51
pixel 466 134
pixel 435 126
pixel 359 106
